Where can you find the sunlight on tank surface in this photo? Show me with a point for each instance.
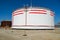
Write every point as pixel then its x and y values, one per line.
pixel 33 18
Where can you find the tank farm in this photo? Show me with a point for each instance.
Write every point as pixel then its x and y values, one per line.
pixel 33 18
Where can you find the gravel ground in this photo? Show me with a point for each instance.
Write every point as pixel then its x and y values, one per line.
pixel 30 34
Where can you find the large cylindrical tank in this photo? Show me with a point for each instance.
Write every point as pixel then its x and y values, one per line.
pixel 33 18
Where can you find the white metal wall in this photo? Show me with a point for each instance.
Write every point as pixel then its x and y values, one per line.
pixel 30 19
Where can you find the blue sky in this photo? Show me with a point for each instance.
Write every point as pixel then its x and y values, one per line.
pixel 8 6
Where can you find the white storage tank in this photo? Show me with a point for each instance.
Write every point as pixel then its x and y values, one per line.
pixel 33 18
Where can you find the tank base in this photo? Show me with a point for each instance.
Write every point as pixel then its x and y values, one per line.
pixel 32 27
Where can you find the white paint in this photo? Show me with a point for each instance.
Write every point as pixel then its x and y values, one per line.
pixel 28 21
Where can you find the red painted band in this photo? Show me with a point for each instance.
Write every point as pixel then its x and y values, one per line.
pixel 17 11
pixel 37 12
pixel 51 13
pixel 17 14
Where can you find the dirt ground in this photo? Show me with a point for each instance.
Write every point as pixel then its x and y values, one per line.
pixel 30 34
